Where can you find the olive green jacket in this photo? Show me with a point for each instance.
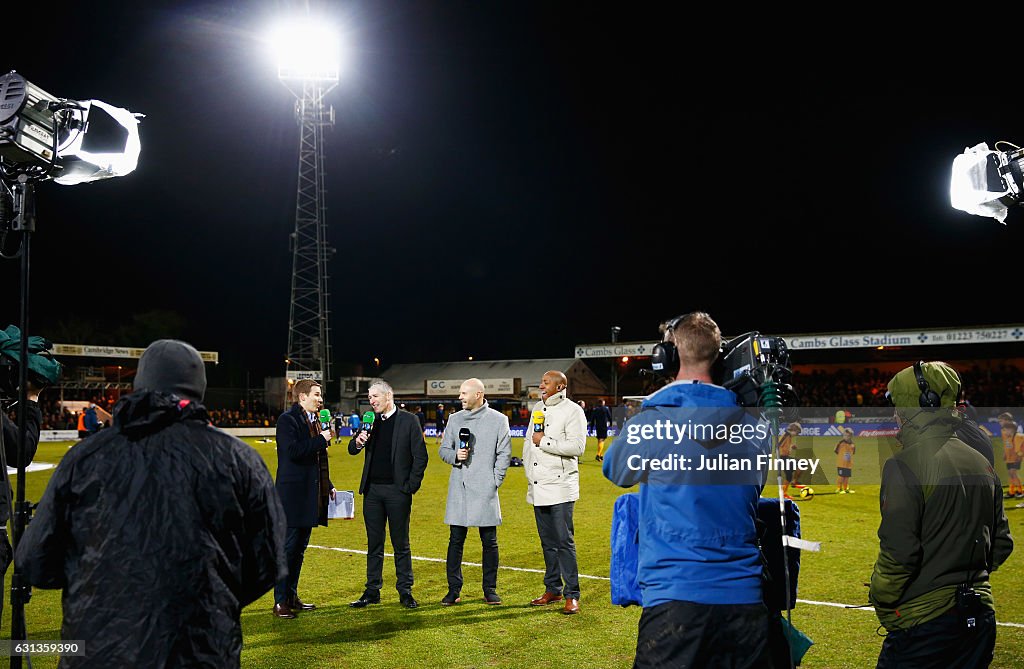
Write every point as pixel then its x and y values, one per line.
pixel 942 522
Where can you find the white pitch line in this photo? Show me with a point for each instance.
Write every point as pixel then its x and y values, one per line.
pixel 605 578
pixel 868 608
pixel 442 560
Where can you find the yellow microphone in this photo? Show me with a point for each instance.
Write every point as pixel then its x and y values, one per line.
pixel 538 421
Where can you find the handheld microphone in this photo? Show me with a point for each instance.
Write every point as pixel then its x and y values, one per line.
pixel 538 421
pixel 325 419
pixel 367 425
pixel 464 435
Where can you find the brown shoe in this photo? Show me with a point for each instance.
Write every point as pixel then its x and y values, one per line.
pixel 283 611
pixel 297 604
pixel 571 606
pixel 546 598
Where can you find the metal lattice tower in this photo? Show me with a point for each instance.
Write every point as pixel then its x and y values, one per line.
pixel 309 330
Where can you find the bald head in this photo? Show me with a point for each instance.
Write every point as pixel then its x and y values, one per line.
pixel 552 382
pixel 471 394
pixel 557 376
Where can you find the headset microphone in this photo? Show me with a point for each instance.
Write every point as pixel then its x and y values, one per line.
pixel 929 398
pixel 665 356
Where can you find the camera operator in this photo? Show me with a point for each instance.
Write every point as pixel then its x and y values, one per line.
pixel 33 418
pixel 699 564
pixel 943 531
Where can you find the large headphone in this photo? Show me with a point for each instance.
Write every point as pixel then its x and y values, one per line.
pixel 929 398
pixel 665 356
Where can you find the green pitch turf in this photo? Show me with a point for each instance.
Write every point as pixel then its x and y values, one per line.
pixel 516 635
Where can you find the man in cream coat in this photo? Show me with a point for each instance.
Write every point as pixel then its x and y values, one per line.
pixel 477 473
pixel 555 440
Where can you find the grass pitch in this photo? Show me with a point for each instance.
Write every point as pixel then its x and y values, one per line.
pixel 516 635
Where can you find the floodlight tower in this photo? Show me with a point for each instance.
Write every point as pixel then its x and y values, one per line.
pixel 308 58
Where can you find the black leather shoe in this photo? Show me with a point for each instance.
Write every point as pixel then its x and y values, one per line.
pixel 451 598
pixel 408 601
pixel 491 597
pixel 297 604
pixel 365 599
pixel 283 611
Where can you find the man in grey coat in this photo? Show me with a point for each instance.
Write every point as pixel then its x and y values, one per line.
pixel 478 470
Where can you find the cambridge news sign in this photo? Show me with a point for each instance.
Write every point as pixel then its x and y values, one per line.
pixel 85 350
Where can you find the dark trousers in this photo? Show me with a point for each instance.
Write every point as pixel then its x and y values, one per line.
pixel 384 504
pixel 943 642
pixel 295 541
pixel 687 634
pixel 456 542
pixel 554 525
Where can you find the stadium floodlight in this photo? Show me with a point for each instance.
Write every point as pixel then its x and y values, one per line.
pixel 306 51
pixel 44 136
pixel 987 182
pixel 309 61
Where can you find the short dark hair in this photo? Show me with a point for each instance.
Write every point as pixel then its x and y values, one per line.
pixel 302 387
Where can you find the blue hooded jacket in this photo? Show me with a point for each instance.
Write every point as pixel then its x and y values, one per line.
pixel 698 537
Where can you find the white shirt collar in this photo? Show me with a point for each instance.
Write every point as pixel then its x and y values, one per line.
pixel 389 414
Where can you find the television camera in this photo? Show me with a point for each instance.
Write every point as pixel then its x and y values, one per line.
pixel 754 366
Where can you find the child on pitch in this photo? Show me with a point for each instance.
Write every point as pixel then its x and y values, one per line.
pixel 787 448
pixel 844 462
pixel 1013 453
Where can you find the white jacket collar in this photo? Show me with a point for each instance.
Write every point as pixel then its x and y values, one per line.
pixel 555 399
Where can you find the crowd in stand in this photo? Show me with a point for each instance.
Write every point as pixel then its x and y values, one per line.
pixel 257 416
pixel 842 388
pixel 1001 386
pixel 56 417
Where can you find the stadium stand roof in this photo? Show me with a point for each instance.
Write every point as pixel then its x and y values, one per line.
pixel 410 379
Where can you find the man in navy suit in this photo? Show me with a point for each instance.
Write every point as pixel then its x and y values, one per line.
pixel 303 484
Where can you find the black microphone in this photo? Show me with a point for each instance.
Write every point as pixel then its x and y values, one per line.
pixel 464 435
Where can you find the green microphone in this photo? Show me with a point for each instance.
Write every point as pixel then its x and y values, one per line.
pixel 325 419
pixel 367 425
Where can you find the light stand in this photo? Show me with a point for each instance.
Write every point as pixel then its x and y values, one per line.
pixel 24 222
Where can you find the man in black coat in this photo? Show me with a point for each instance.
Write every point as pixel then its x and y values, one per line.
pixel 159 530
pixel 396 458
pixel 304 485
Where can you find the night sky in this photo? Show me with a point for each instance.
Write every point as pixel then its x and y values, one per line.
pixel 506 180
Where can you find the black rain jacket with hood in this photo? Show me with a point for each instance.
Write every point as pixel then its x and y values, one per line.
pixel 158 530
